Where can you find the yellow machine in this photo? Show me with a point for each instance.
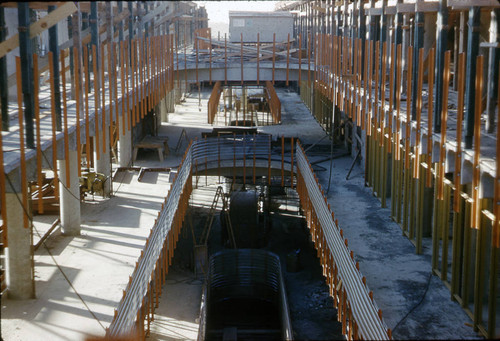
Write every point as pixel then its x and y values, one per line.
pixel 92 182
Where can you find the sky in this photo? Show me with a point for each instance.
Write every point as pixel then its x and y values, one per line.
pixel 218 11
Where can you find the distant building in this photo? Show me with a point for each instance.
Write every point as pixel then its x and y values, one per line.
pixel 264 23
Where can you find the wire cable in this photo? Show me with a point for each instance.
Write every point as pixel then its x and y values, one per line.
pixel 416 305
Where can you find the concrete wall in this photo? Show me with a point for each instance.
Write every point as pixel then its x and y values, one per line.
pixel 265 25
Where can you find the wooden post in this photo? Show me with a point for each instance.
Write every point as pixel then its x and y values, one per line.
pixel 476 205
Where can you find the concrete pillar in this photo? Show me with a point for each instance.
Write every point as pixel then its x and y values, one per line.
pixel 69 201
pixel 103 165
pixel 171 103
pixel 125 148
pixel 19 259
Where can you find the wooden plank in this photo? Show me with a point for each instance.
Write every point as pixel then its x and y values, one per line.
pixel 37 5
pixel 38 27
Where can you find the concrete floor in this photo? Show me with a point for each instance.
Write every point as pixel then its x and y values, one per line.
pixel 98 263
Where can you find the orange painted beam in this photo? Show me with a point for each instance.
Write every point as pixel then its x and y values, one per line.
pixel 476 205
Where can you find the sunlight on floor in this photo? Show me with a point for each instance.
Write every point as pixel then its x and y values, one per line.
pixel 172 329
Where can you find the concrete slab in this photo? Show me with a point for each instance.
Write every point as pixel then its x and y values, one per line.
pixel 99 261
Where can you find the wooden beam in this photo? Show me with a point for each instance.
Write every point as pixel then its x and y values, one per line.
pixel 38 27
pixel 40 5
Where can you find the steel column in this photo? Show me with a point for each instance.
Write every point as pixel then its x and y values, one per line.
pixel 493 60
pixel 4 89
pixel 398 39
pixel 26 53
pixel 442 37
pixel 418 43
pixel 470 90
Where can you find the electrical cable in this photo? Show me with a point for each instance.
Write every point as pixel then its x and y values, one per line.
pixel 52 256
pixel 416 305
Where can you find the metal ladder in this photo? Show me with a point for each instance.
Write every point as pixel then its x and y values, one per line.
pixel 219 194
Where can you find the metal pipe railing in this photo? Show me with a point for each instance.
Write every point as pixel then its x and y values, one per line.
pixel 364 310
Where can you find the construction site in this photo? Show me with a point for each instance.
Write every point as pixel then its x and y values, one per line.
pixel 325 170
